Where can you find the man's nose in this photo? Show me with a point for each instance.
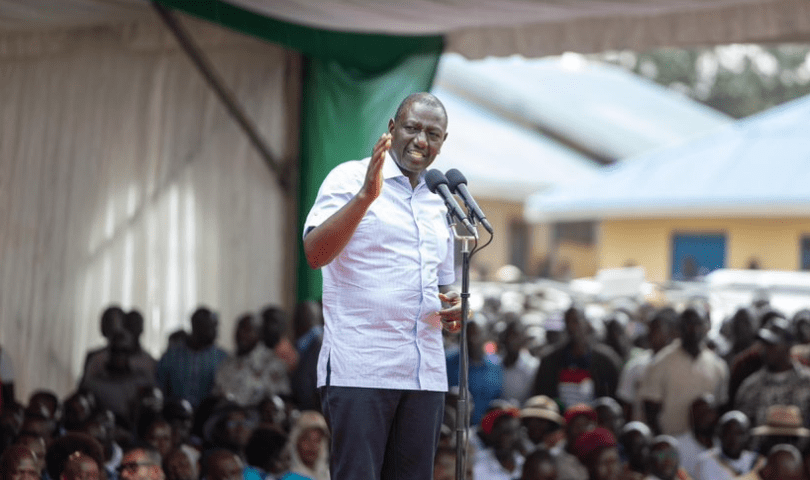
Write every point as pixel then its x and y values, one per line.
pixel 421 137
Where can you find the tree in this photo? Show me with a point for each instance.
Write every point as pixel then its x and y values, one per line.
pixel 738 80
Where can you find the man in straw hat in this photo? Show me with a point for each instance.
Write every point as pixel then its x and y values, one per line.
pixel 541 418
pixel 783 424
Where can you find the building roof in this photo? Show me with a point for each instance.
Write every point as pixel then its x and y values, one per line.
pixel 502 160
pixel 602 110
pixel 755 167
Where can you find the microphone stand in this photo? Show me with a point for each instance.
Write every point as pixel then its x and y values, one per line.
pixel 463 402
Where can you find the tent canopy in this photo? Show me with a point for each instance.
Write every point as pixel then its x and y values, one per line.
pixel 479 28
pixel 753 167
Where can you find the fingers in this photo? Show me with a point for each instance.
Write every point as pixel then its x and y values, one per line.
pixel 381 147
pixel 451 297
pixel 453 326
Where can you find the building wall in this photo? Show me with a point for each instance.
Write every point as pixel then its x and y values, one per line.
pixel 773 242
pixel 502 214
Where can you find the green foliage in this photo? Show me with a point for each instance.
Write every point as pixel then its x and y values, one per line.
pixel 738 80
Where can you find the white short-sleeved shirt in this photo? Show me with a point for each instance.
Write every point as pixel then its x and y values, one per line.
pixel 713 465
pixel 380 294
pixel 675 379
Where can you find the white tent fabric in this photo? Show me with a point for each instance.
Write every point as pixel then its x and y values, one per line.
pixel 757 167
pixel 137 202
pixel 123 180
pixel 480 28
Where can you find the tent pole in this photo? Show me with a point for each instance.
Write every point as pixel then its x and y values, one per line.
pixel 222 91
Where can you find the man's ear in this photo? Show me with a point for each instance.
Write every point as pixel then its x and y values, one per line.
pixel 391 125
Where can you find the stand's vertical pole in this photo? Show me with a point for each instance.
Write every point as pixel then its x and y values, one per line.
pixel 463 405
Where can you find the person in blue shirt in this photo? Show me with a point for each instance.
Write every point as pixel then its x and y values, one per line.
pixel 485 373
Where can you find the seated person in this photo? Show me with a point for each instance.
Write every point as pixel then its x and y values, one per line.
pixel 664 461
pixel 502 459
pixel 598 451
pixel 18 463
pixel 784 463
pixel 539 465
pixel 635 440
pixel 579 419
pixel 730 459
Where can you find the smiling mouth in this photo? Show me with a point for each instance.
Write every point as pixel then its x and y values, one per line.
pixel 415 154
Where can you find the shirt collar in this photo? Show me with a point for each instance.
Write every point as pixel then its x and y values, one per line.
pixel 391 170
pixel 390 167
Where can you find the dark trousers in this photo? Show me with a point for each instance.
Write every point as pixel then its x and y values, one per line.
pixel 380 434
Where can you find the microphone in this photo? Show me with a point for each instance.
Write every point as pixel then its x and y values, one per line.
pixel 437 183
pixel 458 185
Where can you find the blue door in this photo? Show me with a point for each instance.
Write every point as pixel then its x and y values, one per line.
pixel 696 255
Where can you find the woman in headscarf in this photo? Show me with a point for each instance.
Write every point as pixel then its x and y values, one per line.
pixel 309 446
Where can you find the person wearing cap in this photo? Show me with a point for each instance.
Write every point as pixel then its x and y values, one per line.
pixel 784 463
pixel 502 459
pixel 635 441
pixel 609 414
pixel 598 451
pixel 680 373
pixel 703 420
pixel 664 460
pixel 781 381
pixel 730 459
pixel 542 421
pixel 749 361
pixel 579 419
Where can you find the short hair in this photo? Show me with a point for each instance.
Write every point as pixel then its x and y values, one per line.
pixel 64 446
pixel 265 445
pixel 10 456
pixel 423 98
pixel 210 456
pixel 540 455
pixel 151 452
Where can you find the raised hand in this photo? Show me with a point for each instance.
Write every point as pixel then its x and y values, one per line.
pixel 372 186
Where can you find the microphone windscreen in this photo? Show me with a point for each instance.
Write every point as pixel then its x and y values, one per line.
pixel 434 178
pixel 454 179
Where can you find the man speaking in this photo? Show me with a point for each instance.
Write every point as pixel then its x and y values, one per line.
pixel 382 240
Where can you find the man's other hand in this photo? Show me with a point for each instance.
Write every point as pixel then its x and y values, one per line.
pixel 451 314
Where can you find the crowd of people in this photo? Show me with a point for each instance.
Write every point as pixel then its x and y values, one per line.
pixel 196 412
pixel 641 394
